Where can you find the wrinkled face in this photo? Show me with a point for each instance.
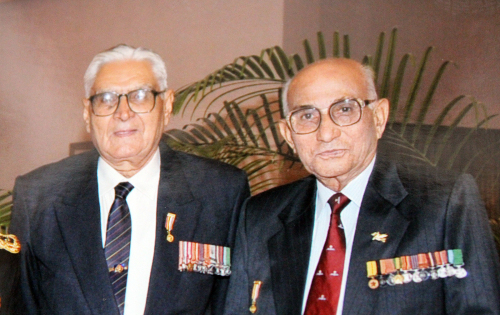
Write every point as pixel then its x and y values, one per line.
pixel 334 154
pixel 127 140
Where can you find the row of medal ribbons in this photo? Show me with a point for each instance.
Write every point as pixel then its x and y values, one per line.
pixel 204 258
pixel 416 268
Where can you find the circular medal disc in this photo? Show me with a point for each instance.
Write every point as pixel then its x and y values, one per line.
pixel 390 280
pixel 416 278
pixel 424 275
pixel 382 281
pixel 461 273
pixel 398 279
pixel 170 238
pixel 442 272
pixel 434 274
pixel 406 277
pixel 450 271
pixel 253 309
pixel 373 284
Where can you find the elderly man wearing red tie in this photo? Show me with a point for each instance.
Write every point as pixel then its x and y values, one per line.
pixel 363 234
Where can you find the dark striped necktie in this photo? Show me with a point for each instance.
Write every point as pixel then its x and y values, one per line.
pixel 117 249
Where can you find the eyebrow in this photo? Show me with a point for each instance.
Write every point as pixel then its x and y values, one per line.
pixel 113 89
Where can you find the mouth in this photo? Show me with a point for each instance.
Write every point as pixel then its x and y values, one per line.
pixel 335 153
pixel 124 133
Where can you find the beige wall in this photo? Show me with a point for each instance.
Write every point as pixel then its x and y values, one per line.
pixel 46 45
pixel 464 31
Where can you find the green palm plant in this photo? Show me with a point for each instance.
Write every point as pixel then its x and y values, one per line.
pixel 5 210
pixel 243 130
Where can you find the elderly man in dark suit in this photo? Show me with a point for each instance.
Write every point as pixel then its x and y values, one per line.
pixel 363 234
pixel 132 227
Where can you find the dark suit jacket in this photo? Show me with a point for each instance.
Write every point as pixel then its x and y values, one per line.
pixel 420 209
pixel 57 217
pixel 9 283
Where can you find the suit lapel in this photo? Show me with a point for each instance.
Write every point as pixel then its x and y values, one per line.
pixel 78 217
pixel 290 247
pixel 174 196
pixel 378 213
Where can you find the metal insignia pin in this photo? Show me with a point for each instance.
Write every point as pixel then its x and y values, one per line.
pixel 379 237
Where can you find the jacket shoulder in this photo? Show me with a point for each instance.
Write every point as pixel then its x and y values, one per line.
pixel 58 173
pixel 272 202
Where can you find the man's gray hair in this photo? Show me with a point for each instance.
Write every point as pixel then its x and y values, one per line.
pixel 368 73
pixel 125 52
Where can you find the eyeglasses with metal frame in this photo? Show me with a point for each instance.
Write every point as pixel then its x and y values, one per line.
pixel 346 112
pixel 140 101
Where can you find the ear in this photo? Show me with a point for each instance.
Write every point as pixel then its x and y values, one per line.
pixel 86 113
pixel 168 103
pixel 380 116
pixel 286 132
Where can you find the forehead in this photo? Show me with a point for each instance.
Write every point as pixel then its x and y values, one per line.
pixel 322 84
pixel 124 75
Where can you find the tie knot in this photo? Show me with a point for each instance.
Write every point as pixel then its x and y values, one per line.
pixel 338 202
pixel 123 189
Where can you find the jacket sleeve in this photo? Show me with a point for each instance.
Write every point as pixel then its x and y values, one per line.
pixel 467 229
pixel 221 285
pixel 20 226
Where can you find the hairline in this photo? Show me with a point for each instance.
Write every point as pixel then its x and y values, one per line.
pixel 123 53
pixel 369 78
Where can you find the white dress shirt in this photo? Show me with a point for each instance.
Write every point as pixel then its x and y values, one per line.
pixel 349 217
pixel 142 201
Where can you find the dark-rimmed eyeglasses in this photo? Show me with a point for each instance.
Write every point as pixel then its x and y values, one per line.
pixel 140 101
pixel 307 119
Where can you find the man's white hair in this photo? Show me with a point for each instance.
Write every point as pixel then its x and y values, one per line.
pixel 125 52
pixel 368 74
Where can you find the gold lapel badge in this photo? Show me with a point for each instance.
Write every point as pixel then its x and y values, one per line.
pixel 379 237
pixel 10 243
pixel 169 226
pixel 255 295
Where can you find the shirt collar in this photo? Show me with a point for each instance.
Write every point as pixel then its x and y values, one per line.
pixel 143 180
pixel 354 190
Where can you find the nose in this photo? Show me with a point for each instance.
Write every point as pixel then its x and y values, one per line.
pixel 123 110
pixel 327 130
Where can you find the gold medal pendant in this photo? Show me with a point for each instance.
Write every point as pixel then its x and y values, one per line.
pixel 170 237
pixel 169 226
pixel 255 294
pixel 373 284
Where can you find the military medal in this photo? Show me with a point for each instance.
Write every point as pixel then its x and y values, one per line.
pixel 387 268
pixel 406 266
pixel 423 264
pixel 398 278
pixel 371 268
pixel 443 257
pixel 432 263
pixel 450 271
pixel 255 295
pixel 458 262
pixel 414 266
pixel 169 226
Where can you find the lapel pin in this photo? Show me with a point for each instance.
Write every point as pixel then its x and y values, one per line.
pixel 10 243
pixel 379 237
pixel 169 226
pixel 255 295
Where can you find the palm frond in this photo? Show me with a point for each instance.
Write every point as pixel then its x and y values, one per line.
pixel 243 132
pixel 5 210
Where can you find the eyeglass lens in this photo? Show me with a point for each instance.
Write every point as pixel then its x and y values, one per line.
pixel 343 113
pixel 139 101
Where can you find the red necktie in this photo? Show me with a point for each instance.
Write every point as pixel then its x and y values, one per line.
pixel 325 288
